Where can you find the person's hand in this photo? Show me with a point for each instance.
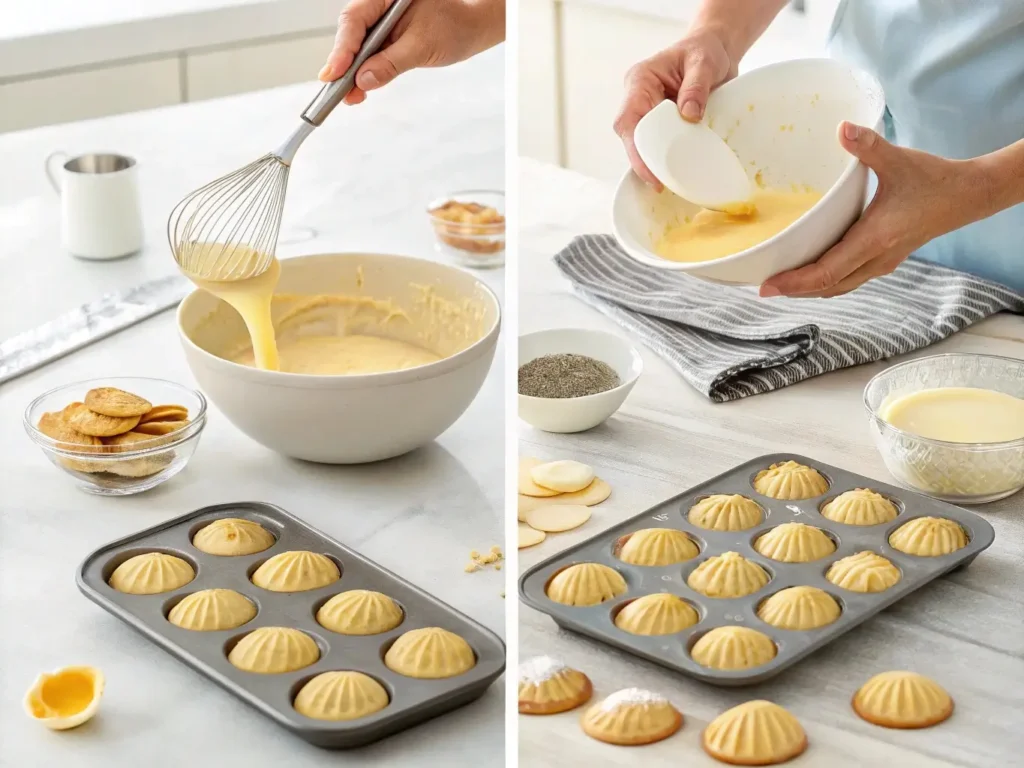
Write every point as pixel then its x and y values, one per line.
pixel 431 33
pixel 919 197
pixel 686 72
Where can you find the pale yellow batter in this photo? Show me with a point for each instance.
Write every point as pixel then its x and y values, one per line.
pixel 339 355
pixel 957 415
pixel 713 234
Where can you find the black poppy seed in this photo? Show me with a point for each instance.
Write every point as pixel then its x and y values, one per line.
pixel 566 375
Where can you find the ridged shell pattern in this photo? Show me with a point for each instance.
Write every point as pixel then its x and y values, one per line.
pixel 733 648
pixel 657 547
pixel 790 481
pixel 545 683
pixel 863 572
pixel 232 537
pixel 151 573
pixel 296 571
pixel 928 537
pixel 727 575
pixel 586 584
pixel 274 650
pixel 755 733
pixel 341 696
pixel 359 612
pixel 902 700
pixel 630 714
pixel 795 543
pixel 211 610
pixel 799 608
pixel 657 614
pixel 725 512
pixel 430 653
pixel 861 506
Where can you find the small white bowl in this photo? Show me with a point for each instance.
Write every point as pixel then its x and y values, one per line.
pixel 780 120
pixel 575 414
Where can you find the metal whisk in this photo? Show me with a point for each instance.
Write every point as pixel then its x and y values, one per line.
pixel 228 229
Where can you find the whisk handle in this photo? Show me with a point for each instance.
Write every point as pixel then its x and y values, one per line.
pixel 332 93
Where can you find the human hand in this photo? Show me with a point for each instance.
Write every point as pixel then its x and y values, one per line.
pixel 431 33
pixel 919 197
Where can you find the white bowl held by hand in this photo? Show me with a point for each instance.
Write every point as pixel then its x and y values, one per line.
pixel 575 414
pixel 781 121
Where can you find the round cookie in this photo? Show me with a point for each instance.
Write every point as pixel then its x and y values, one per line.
pixel 430 653
pixel 632 717
pixel 338 696
pixel 585 584
pixel 274 650
pixel 657 614
pixel 733 647
pixel 790 481
pixel 754 733
pixel 547 687
pixel 863 572
pixel 556 518
pixel 296 571
pixel 725 512
pixel 928 537
pixel 55 427
pixel 799 608
pixel 727 575
pixel 795 543
pixel 98 425
pixel 657 547
pixel 565 476
pixel 860 506
pixel 151 573
pixel 165 413
pixel 157 428
pixel 526 485
pixel 109 401
pixel 902 700
pixel 360 612
pixel 212 610
pixel 593 494
pixel 529 536
pixel 233 537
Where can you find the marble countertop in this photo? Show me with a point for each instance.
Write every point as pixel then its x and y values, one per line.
pixel 361 182
pixel 965 629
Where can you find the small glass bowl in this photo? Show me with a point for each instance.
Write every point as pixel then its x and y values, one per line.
pixel 468 244
pixel 108 470
pixel 962 473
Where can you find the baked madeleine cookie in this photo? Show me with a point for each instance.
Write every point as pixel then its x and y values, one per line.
pixel 274 650
pixel 55 427
pixel 795 543
pixel 657 614
pixel 728 575
pixel 547 687
pixel 863 572
pixel 725 512
pixel 341 696
pixel 360 612
pixel 98 425
pixel 733 648
pixel 790 481
pixel 586 584
pixel 108 401
pixel 657 547
pixel 430 653
pixel 632 717
pixel 526 485
pixel 799 608
pixel 165 413
pixel 928 537
pixel 902 700
pixel 296 571
pixel 211 610
pixel 565 476
pixel 151 573
pixel 754 733
pixel 232 537
pixel 860 506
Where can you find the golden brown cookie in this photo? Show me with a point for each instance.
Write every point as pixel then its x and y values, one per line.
pixel 902 700
pixel 632 717
pixel 165 413
pixel 547 687
pixel 754 733
pixel 109 401
pixel 161 427
pixel 88 422
pixel 126 441
pixel 56 428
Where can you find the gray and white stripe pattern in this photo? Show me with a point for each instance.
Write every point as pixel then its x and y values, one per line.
pixel 728 343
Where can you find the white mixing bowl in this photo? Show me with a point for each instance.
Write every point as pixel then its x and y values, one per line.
pixel 344 419
pixel 781 121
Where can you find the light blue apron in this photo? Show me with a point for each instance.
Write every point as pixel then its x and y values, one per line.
pixel 953 74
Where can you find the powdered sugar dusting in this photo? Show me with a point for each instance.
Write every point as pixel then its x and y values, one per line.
pixel 632 697
pixel 538 669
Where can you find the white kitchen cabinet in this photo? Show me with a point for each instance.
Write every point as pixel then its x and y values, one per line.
pixel 539 78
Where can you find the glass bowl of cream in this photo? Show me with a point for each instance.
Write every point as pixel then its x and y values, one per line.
pixel 951 426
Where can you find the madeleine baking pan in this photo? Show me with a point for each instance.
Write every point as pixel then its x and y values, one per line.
pixel 412 700
pixel 673 651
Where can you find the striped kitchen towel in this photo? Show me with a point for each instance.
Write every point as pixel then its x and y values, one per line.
pixel 729 343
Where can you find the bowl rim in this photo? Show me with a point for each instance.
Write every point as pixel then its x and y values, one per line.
pixel 650 258
pixel 339 381
pixel 1017 442
pixel 633 351
pixel 453 196
pixel 195 425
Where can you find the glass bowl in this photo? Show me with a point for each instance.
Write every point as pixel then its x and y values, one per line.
pixel 962 473
pixel 468 243
pixel 111 470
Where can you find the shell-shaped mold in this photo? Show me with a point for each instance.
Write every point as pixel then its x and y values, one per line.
pixel 632 717
pixel 151 573
pixel 902 700
pixel 431 653
pixel 928 537
pixel 725 512
pixel 863 572
pixel 341 696
pixel 232 537
pixel 296 571
pixel 657 614
pixel 754 733
pixel 727 575
pixel 547 686
pixel 733 648
pixel 210 610
pixel 586 584
pixel 273 650
pixel 799 608
pixel 795 543
pixel 861 506
pixel 790 481
pixel 359 612
pixel 658 546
